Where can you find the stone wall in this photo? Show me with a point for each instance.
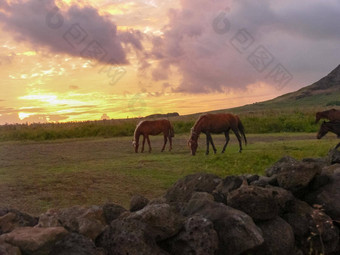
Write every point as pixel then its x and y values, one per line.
pixel 294 209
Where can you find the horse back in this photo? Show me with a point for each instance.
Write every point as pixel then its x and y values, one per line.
pixel 334 115
pixel 218 123
pixel 154 127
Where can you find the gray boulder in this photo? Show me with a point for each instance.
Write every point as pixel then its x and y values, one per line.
pixel 263 181
pixel 296 177
pixel 332 169
pixel 33 240
pixel 161 219
pixel 259 203
pixel 278 237
pixel 7 249
pixel 236 231
pixel 11 219
pixel 328 196
pixel 282 197
pixel 251 177
pixel 334 156
pixel 75 244
pixel 182 190
pixel 128 236
pixel 313 229
pixel 321 162
pixel 138 202
pixel 227 185
pixel 112 211
pixel 197 237
pixel 283 163
pixel 88 221
pixel 202 195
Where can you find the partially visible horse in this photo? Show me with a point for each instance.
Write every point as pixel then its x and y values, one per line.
pixel 216 124
pixel 153 127
pixel 331 126
pixel 331 115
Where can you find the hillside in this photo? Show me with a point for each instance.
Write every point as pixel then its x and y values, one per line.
pixel 324 93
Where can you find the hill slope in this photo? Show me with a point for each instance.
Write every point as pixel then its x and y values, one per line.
pixel 324 93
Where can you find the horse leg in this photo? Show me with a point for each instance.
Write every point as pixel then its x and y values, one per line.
pixel 212 143
pixel 148 139
pixel 238 138
pixel 207 151
pixel 227 138
pixel 165 140
pixel 143 143
pixel 170 142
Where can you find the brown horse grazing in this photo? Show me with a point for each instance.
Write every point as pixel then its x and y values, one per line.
pixel 215 124
pixel 331 126
pixel 153 127
pixel 331 115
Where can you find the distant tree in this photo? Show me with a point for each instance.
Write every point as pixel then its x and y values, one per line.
pixel 105 117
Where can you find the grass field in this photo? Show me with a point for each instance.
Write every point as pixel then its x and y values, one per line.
pixel 255 122
pixel 35 176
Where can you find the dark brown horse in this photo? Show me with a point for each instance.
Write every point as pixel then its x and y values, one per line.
pixel 331 115
pixel 331 126
pixel 153 127
pixel 216 124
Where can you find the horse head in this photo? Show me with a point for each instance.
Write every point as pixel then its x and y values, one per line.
pixel 135 145
pixel 193 146
pixel 192 142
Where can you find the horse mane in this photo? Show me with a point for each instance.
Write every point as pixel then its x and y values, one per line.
pixel 200 119
pixel 137 128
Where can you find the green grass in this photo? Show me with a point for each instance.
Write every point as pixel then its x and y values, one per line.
pixel 35 176
pixel 260 122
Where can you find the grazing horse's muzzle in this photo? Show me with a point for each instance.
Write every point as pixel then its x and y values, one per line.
pixel 193 146
pixel 135 145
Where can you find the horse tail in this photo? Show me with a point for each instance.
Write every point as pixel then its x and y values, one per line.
pixel 241 128
pixel 171 131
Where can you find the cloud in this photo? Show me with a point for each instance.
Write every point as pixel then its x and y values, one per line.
pixel 229 45
pixel 76 31
pixel 73 87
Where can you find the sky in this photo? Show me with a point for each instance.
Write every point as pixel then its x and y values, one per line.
pixel 107 59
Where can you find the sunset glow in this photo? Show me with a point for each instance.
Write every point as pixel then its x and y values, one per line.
pixel 77 60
